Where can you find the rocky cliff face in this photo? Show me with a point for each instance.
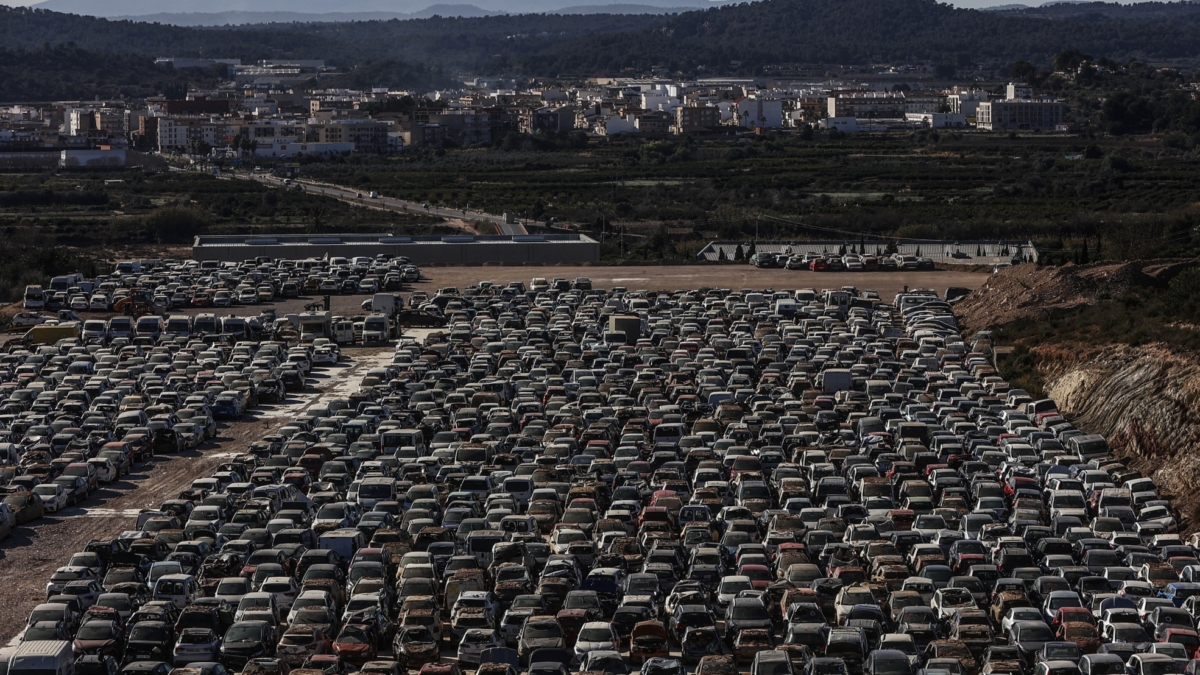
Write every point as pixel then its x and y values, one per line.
pixel 1145 400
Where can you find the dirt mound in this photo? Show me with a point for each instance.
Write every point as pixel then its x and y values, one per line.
pixel 1029 293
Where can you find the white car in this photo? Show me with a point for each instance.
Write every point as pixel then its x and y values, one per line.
pixel 561 540
pixel 98 303
pixel 54 496
pixel 324 356
pixel 596 636
pixel 106 471
pixel 476 641
pixel 232 589
pixel 28 319
pixel 1019 614
pixel 946 601
pixel 308 600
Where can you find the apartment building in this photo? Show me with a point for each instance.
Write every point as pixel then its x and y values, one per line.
pixel 866 105
pixel 696 119
pixel 1020 114
pixel 367 136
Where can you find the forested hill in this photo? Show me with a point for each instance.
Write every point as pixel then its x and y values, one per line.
pixel 734 39
pixel 862 31
pixel 436 41
pixel 30 29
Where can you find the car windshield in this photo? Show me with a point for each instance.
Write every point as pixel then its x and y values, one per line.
pixel 596 635
pixel 1159 667
pixel 751 611
pixel 734 586
pixel 195 638
pixel 147 633
pixel 418 634
pixel 891 667
pixel 542 630
pixel 1036 633
pixel 353 635
pixel 242 633
pixel 298 639
pixel 95 630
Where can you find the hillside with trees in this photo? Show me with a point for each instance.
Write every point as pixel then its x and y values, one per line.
pixel 66 72
pixel 730 40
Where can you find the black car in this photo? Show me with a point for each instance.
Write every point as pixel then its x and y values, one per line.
pixel 247 640
pixel 146 668
pixel 91 664
pixel 149 641
pixel 690 616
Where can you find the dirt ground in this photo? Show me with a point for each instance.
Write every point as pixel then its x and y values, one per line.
pixel 32 553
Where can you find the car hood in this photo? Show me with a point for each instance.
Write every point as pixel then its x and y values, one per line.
pixel 590 646
pixel 544 642
pixel 94 644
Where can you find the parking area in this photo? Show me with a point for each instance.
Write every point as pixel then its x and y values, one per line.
pixel 570 475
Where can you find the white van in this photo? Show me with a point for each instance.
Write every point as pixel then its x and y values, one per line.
pixel 43 657
pixel 35 297
pixel 179 589
pixel 518 524
pixel 520 487
pixel 376 489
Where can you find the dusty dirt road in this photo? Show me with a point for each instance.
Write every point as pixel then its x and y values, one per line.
pixel 35 550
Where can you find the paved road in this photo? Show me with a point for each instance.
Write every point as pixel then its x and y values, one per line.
pixel 360 198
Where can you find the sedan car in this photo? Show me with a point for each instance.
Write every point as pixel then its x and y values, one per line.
pixel 474 642
pixel 302 641
pixel 247 640
pixel 197 644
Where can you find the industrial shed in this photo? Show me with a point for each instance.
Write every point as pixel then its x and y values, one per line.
pixel 528 249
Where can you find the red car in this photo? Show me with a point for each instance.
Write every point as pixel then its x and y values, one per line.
pixel 355 644
pixel 760 575
pixel 1083 634
pixel 655 514
pixel 1072 615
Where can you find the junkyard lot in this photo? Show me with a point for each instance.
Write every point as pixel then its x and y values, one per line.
pixel 34 551
pixel 640 277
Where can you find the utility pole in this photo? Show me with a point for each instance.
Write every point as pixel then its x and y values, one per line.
pixel 756 231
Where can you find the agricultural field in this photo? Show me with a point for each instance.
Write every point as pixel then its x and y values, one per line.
pixel 1131 196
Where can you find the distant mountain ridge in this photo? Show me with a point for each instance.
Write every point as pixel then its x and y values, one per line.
pixel 236 18
pixel 1087 9
pixel 264 11
pixel 217 19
